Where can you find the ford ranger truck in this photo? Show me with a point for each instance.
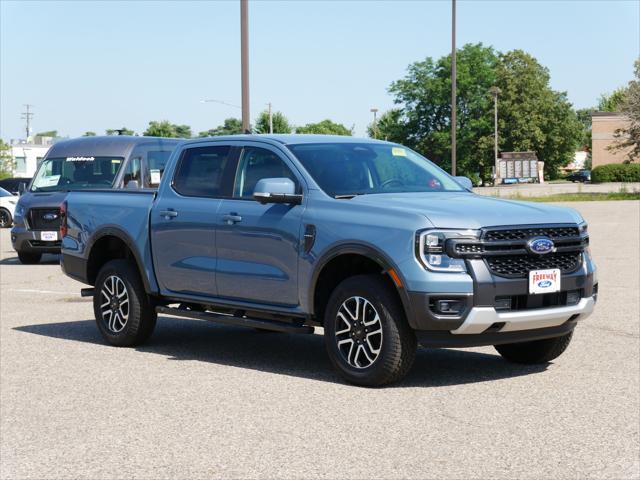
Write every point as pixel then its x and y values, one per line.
pixel 367 239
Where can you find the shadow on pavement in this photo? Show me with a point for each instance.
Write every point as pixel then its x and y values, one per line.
pixel 288 354
pixel 47 259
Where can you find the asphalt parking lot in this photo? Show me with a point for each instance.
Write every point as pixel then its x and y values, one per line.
pixel 201 400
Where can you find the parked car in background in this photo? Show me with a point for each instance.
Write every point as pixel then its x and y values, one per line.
pixel 12 185
pixel 366 238
pixel 583 176
pixel 7 207
pixel 134 163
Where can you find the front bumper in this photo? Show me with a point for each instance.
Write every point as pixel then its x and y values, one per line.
pixel 28 241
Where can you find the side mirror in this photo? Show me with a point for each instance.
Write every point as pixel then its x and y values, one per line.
pixel 22 187
pixel 465 182
pixel 276 190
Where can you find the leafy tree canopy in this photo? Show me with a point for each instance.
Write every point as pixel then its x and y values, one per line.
pixel 6 162
pixel 119 131
pixel 629 137
pixel 89 134
pixel 612 102
pixel 325 127
pixel 48 133
pixel 231 126
pixel 531 115
pixel 280 123
pixel 164 128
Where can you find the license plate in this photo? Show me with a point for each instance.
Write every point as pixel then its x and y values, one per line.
pixel 544 281
pixel 49 236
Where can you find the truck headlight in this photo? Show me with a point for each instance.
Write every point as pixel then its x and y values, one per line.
pixel 19 212
pixel 431 249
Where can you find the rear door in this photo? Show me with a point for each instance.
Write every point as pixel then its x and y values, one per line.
pixel 257 245
pixel 184 216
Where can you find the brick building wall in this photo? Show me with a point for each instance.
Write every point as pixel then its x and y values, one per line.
pixel 603 127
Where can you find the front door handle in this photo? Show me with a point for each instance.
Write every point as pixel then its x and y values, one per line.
pixel 231 218
pixel 168 214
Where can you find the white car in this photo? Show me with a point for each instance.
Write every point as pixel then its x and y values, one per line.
pixel 7 208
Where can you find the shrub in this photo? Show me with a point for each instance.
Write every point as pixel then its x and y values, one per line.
pixel 616 172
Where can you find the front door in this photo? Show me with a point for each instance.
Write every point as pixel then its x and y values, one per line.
pixel 257 245
pixel 183 221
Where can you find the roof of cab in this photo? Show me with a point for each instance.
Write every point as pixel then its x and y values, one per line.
pixel 109 145
pixel 292 139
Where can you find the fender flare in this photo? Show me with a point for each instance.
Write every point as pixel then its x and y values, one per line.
pixel 115 231
pixel 365 250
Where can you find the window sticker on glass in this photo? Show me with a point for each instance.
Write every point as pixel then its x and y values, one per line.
pixel 116 160
pixel 51 181
pixel 398 152
pixel 155 176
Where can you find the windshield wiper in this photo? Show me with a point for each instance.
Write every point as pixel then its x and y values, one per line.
pixel 348 195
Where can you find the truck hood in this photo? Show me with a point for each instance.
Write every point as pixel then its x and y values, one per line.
pixel 42 199
pixel 468 210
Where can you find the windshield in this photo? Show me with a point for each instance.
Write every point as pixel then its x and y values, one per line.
pixel 348 169
pixel 4 193
pixel 76 173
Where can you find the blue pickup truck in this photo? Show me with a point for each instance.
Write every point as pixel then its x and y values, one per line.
pixel 364 238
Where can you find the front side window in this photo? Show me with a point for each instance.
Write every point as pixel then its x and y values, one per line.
pixel 258 163
pixel 202 172
pixel 76 173
pixel 347 169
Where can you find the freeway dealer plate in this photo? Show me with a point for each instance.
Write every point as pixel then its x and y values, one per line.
pixel 49 236
pixel 544 281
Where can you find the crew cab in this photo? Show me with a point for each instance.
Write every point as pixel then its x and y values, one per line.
pixel 367 239
pixel 77 164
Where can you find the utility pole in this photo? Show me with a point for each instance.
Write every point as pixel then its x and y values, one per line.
pixel 375 122
pixel 495 91
pixel 244 54
pixel 27 115
pixel 454 107
pixel 270 119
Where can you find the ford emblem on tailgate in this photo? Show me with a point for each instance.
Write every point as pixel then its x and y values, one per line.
pixel 49 217
pixel 540 245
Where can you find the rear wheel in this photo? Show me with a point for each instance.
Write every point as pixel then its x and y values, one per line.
pixel 538 351
pixel 29 258
pixel 123 311
pixel 366 333
pixel 5 218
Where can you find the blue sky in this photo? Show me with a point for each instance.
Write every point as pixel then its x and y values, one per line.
pixel 97 65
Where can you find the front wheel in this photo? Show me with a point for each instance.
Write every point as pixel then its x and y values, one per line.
pixel 123 311
pixel 366 333
pixel 29 258
pixel 6 220
pixel 537 351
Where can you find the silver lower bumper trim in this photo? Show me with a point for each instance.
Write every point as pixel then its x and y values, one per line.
pixel 481 318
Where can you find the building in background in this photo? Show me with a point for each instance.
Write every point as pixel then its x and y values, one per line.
pixel 578 162
pixel 603 128
pixel 27 155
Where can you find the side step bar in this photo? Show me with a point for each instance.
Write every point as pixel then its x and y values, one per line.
pixel 237 321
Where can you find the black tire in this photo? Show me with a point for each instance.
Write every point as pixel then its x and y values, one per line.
pixel 538 351
pixel 139 310
pixel 28 258
pixel 396 346
pixel 6 220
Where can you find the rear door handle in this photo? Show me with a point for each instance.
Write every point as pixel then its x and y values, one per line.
pixel 231 218
pixel 168 214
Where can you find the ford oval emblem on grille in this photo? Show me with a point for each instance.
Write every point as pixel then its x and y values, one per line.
pixel 49 217
pixel 540 245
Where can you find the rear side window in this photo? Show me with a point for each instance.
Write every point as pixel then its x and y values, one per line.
pixel 202 172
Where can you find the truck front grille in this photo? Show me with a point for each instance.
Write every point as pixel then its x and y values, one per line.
pixel 505 252
pixel 44 219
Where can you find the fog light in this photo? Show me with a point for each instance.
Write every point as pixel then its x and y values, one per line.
pixel 573 297
pixel 449 307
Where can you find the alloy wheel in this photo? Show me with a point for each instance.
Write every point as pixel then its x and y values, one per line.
pixel 115 304
pixel 358 332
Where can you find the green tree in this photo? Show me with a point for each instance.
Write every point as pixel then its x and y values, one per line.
pixel 612 102
pixel 325 127
pixel 89 134
pixel 629 137
pixel 280 123
pixel 388 127
pixel 164 128
pixel 231 126
pixel 6 161
pixel 48 133
pixel 119 131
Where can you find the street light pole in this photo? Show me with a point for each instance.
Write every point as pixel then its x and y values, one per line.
pixel 495 91
pixel 270 119
pixel 244 54
pixel 375 122
pixel 454 107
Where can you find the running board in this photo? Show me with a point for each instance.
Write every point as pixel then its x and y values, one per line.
pixel 237 321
